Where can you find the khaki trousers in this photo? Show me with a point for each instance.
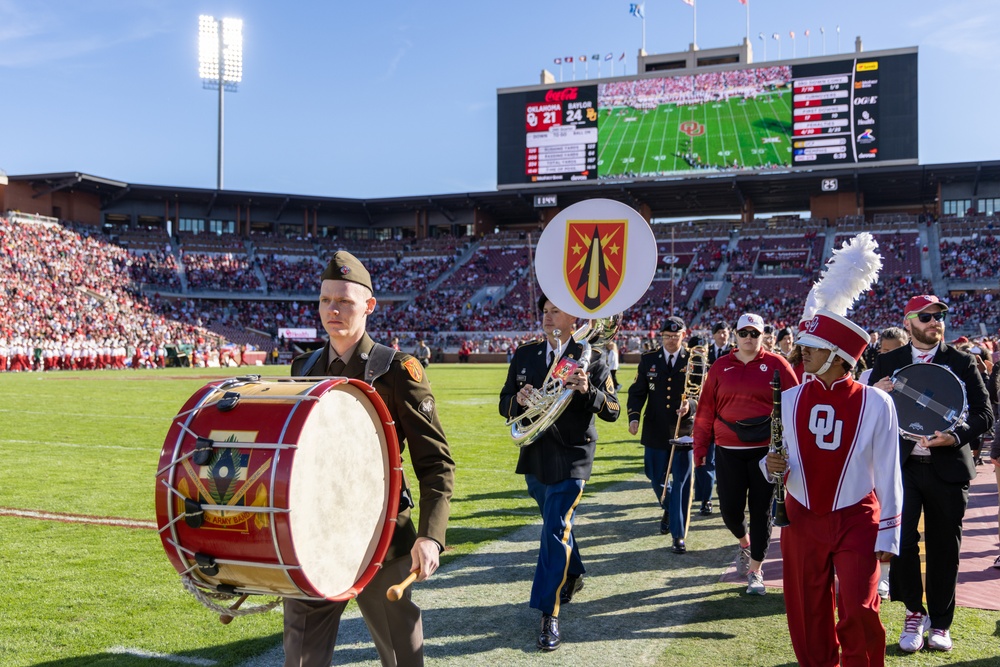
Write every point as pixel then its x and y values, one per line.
pixel 396 628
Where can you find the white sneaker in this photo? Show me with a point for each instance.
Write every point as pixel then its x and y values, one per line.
pixel 755 583
pixel 743 561
pixel 911 639
pixel 939 640
pixel 883 589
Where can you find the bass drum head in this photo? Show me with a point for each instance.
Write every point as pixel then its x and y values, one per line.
pixel 339 490
pixel 928 398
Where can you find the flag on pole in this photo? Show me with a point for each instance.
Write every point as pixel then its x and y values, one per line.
pixel 791 33
pixel 743 2
pixel 807 32
pixel 776 36
pixel 558 61
pixel 609 56
pixel 622 56
pixel 761 36
pixel 583 59
pixel 568 59
pixel 691 2
pixel 596 56
pixel 637 10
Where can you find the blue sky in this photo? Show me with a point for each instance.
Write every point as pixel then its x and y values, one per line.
pixel 390 98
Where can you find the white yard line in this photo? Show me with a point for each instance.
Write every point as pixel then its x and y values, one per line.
pixel 180 659
pixel 76 518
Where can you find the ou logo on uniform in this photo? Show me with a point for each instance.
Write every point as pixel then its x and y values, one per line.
pixel 825 426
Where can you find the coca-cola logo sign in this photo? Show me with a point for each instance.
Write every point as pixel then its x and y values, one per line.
pixel 564 95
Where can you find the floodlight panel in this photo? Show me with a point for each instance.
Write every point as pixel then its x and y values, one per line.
pixel 232 50
pixel 208 48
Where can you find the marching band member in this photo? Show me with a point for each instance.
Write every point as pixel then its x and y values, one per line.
pixel 659 386
pixel 936 475
pixel 844 499
pixel 557 465
pixel 735 413
pixel 311 626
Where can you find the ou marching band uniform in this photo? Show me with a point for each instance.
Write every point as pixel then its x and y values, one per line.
pixel 844 500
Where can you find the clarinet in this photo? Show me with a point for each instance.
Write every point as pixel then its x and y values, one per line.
pixel 778 446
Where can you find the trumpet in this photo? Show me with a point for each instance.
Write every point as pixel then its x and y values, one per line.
pixel 777 446
pixel 548 402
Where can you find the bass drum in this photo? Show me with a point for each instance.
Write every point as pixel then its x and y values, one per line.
pixel 928 398
pixel 280 487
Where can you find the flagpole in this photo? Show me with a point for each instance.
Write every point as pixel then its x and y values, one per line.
pixel 644 30
pixel 748 22
pixel 694 28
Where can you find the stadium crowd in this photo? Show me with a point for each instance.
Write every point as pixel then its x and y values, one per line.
pixel 74 299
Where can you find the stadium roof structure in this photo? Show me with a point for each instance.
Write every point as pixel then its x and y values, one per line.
pixel 905 187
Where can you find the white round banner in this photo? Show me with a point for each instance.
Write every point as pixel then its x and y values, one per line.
pixel 596 258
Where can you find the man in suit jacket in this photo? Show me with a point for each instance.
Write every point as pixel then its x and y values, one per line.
pixel 936 475
pixel 659 386
pixel 558 463
pixel 310 636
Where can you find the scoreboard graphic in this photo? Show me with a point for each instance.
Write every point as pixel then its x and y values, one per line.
pixel 797 114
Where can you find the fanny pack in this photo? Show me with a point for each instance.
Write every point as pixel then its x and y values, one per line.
pixel 755 429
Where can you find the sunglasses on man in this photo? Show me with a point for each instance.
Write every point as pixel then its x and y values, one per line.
pixel 743 333
pixel 926 317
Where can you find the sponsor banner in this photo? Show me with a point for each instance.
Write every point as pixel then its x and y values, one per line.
pixel 297 334
pixel 783 256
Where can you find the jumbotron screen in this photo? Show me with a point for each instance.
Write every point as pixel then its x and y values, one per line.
pixel 834 112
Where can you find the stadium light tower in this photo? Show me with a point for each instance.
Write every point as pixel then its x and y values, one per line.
pixel 220 64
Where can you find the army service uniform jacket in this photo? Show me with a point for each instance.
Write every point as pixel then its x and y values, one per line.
pixel 407 394
pixel 566 449
pixel 660 387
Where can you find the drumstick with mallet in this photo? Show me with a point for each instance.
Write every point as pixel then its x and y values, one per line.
pixel 396 592
pixel 226 619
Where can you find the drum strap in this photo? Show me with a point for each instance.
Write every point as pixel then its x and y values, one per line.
pixel 379 360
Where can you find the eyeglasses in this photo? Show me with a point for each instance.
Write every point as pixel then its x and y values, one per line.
pixel 926 317
pixel 753 333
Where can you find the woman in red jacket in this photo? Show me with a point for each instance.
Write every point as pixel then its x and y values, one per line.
pixel 734 412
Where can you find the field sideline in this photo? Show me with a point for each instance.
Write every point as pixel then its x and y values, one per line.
pixel 78 593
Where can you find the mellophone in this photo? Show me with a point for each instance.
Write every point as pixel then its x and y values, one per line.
pixel 279 486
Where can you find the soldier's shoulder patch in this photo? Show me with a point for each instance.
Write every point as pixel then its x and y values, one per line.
pixel 426 407
pixel 414 368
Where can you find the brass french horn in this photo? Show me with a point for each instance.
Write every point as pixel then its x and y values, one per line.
pixel 546 403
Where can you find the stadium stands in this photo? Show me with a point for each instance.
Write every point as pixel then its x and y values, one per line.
pixel 76 298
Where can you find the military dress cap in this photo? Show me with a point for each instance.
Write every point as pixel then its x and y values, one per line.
pixel 782 333
pixel 719 326
pixel 345 266
pixel 672 323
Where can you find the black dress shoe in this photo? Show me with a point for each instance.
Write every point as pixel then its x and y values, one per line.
pixel 549 639
pixel 570 588
pixel 665 523
pixel 679 547
pixel 706 508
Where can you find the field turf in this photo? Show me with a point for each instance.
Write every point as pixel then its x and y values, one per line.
pixel 683 138
pixel 81 595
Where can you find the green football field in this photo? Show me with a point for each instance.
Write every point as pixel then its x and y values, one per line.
pixel 78 591
pixel 752 133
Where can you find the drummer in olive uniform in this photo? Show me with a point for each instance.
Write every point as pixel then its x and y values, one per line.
pixel 345 303
pixel 659 385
